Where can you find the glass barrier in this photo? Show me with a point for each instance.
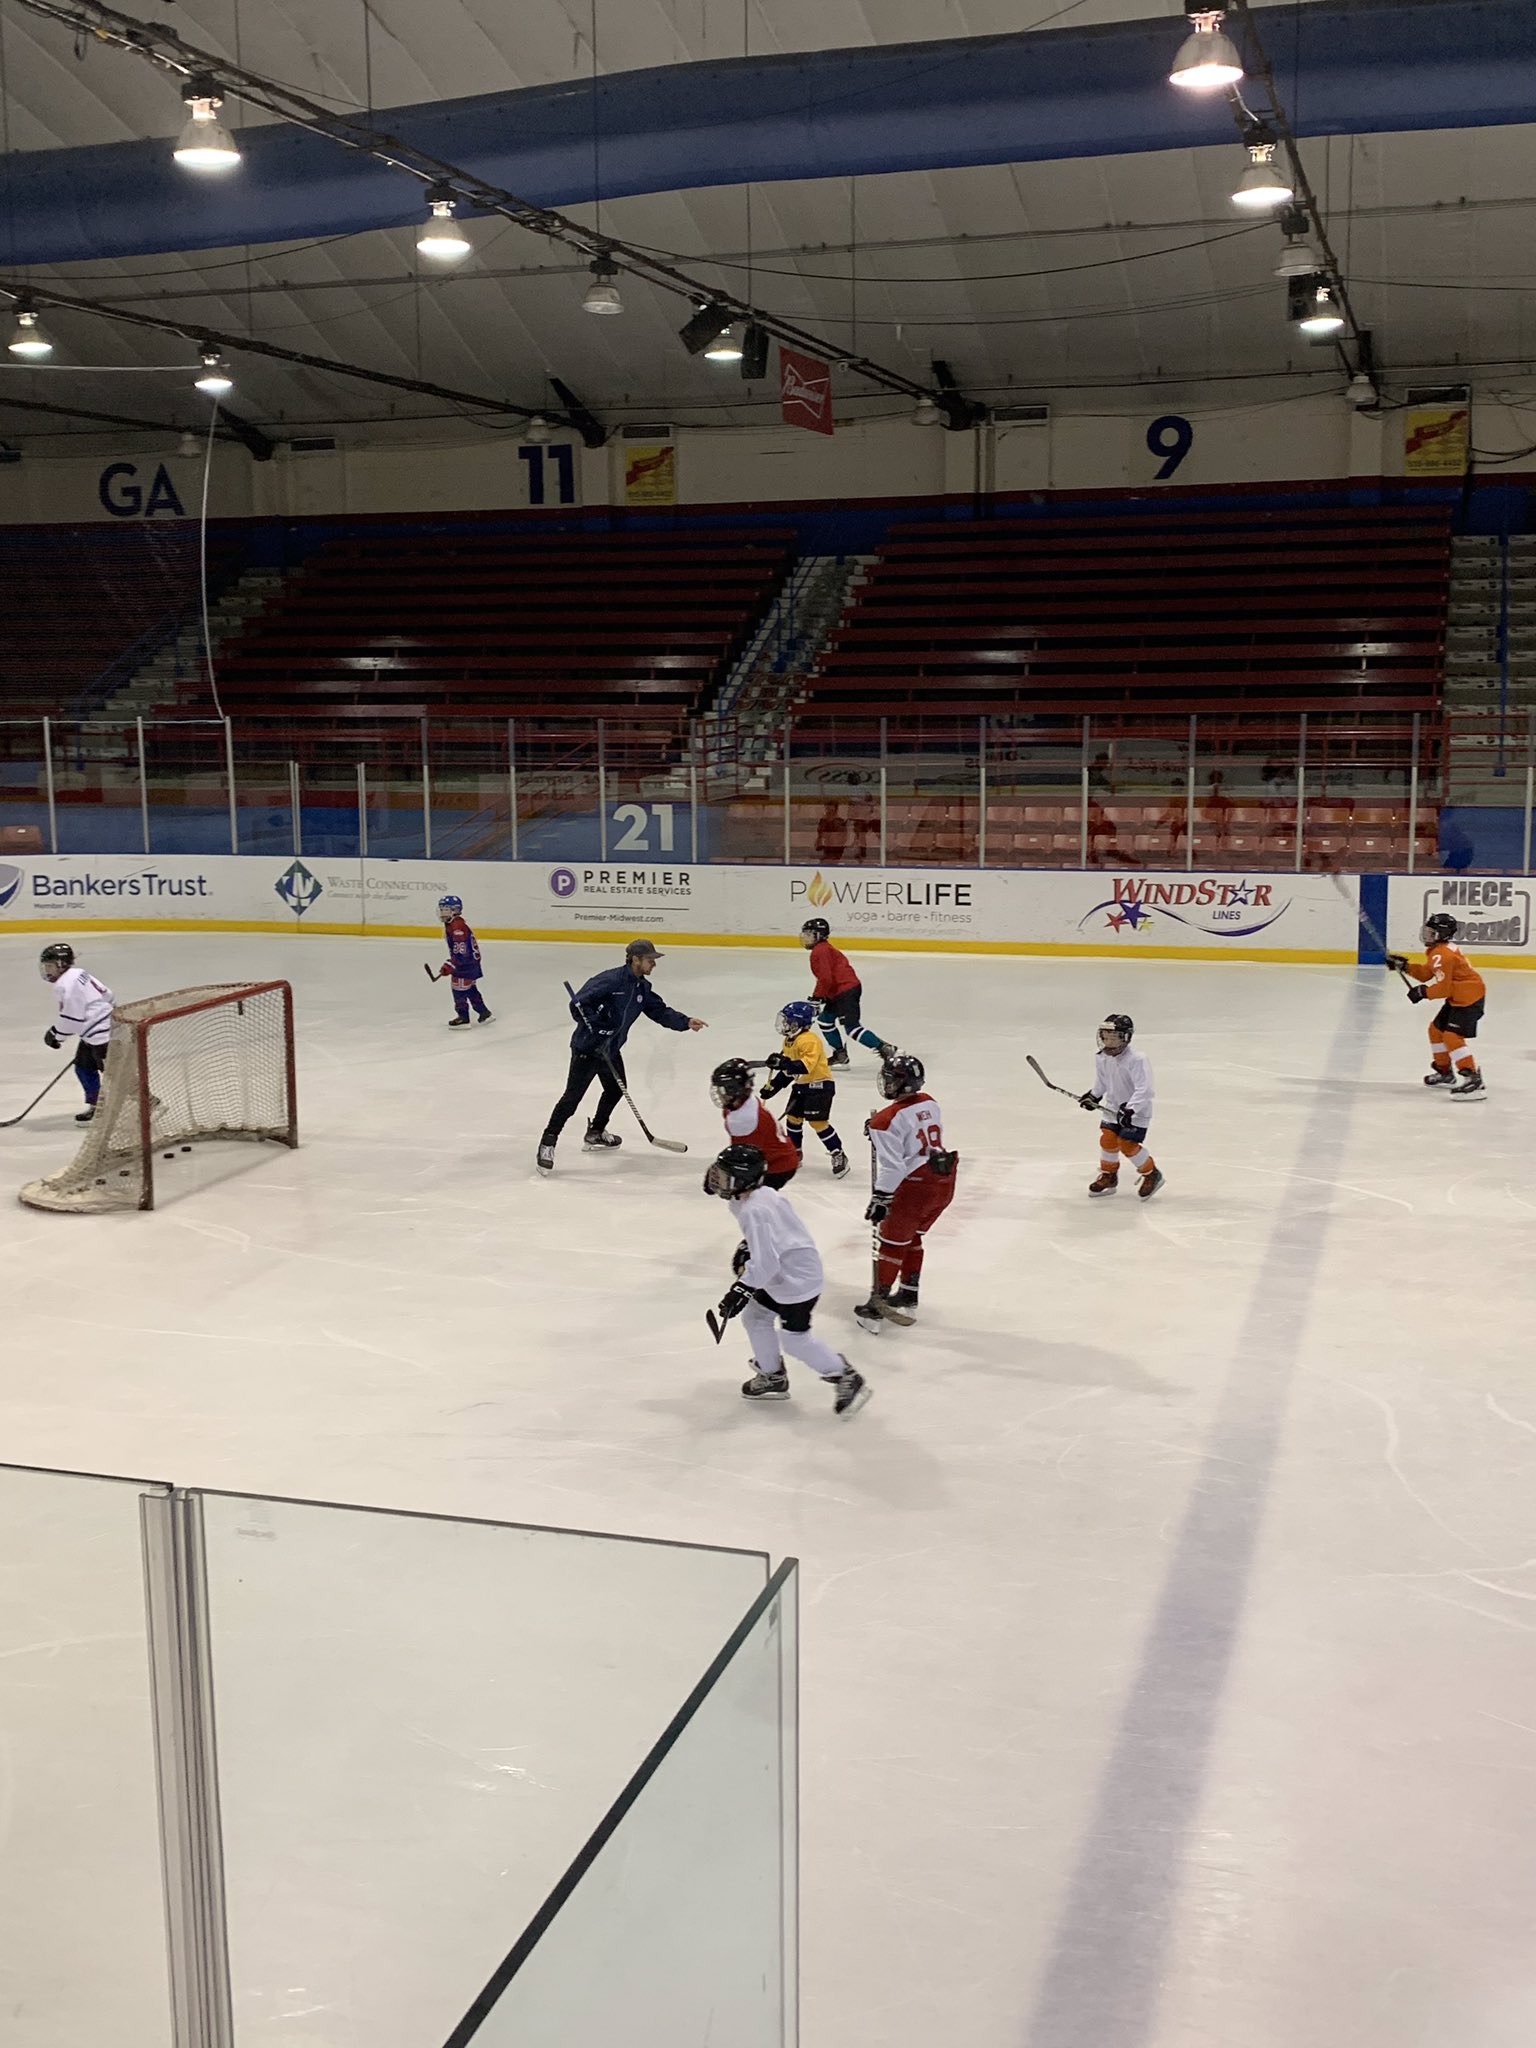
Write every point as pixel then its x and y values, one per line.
pixel 559 808
pixel 82 1916
pixel 1355 789
pixel 837 811
pixel 420 1722
pixel 933 792
pixel 677 1921
pixel 96 788
pixel 186 786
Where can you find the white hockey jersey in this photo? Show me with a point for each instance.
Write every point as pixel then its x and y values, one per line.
pixel 85 1007
pixel 905 1135
pixel 782 1257
pixel 1123 1080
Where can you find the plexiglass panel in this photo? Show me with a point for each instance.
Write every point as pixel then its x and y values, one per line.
pixel 419 1724
pixel 678 1922
pixel 82 1926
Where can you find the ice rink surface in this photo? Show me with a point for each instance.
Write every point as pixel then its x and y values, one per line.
pixel 1169 1615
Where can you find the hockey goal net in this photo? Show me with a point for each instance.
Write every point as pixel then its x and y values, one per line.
pixel 196 1064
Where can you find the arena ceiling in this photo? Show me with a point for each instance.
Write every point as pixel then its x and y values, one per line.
pixel 1092 275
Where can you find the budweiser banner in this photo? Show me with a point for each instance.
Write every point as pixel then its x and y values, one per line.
pixel 805 392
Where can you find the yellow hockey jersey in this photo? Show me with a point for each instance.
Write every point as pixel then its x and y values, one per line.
pixel 812 1055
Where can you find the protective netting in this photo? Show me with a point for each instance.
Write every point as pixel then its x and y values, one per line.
pixel 210 1062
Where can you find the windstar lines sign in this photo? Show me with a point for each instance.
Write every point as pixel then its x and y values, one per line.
pixel 1222 907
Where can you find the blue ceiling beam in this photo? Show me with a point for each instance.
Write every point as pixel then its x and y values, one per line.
pixel 1350 68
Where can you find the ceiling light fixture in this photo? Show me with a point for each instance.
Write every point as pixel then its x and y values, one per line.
pixel 213 379
pixel 1297 259
pixel 538 430
pixel 1207 59
pixel 1322 315
pixel 1362 392
pixel 190 443
pixel 602 294
pixel 205 143
pixel 726 346
pixel 29 341
pixel 441 237
pixel 926 414
pixel 1263 184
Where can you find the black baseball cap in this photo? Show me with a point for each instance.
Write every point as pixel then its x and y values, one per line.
pixel 642 946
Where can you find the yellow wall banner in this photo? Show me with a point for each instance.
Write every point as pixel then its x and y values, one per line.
pixel 650 473
pixel 1436 440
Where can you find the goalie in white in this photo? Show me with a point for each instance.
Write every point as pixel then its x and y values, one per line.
pixel 85 1015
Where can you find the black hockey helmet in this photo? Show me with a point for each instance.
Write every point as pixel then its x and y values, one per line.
pixel 730 1084
pixel 55 960
pixel 1439 928
pixel 901 1073
pixel 1116 1026
pixel 638 949
pixel 735 1171
pixel 814 930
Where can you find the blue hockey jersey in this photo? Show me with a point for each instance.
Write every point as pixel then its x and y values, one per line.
pixel 463 961
pixel 608 1004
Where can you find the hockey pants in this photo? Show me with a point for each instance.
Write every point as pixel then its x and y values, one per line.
pixel 920 1201
pixel 89 1061
pixel 586 1067
pixel 774 1327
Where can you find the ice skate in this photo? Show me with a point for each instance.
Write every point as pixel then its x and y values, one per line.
pixel 544 1158
pixel 886 1050
pixel 868 1317
pixel 1150 1183
pixel 456 1023
pixel 839 1165
pixel 1439 1077
pixel 839 1058
pixel 906 1298
pixel 852 1390
pixel 600 1141
pixel 87 1115
pixel 884 1308
pixel 767 1386
pixel 1470 1088
pixel 1105 1184
pixel 486 1017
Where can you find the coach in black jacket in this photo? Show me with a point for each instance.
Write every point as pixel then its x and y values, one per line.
pixel 604 1009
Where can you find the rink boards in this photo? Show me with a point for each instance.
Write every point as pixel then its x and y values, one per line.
pixel 1199 916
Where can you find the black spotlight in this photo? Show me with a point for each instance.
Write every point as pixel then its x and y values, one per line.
pixel 754 351
pixel 707 325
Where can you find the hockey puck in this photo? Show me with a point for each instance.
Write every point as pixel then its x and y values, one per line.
pixel 167 1155
pixel 186 1148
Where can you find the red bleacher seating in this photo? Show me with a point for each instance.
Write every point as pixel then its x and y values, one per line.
pixel 73 599
pixel 507 626
pixel 1336 609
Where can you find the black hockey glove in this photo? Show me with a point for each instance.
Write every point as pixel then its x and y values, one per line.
pixel 879 1208
pixel 776 1062
pixel 733 1301
pixel 739 1258
pixel 773 1087
pixel 1089 1101
pixel 1397 962
pixel 52 1040
pixel 1416 993
pixel 1125 1119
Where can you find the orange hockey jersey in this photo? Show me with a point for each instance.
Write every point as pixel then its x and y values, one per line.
pixel 1448 974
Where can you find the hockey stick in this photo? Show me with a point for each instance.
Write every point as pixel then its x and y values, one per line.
pixel 12 1120
pixel 662 1144
pixel 716 1327
pixel 428 972
pixel 1031 1061
pixel 1367 925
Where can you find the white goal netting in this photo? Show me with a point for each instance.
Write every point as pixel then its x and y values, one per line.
pixel 195 1064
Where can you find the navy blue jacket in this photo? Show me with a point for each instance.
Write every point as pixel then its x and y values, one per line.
pixel 608 1004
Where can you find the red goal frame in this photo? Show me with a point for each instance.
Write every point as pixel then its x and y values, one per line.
pixel 143 1026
